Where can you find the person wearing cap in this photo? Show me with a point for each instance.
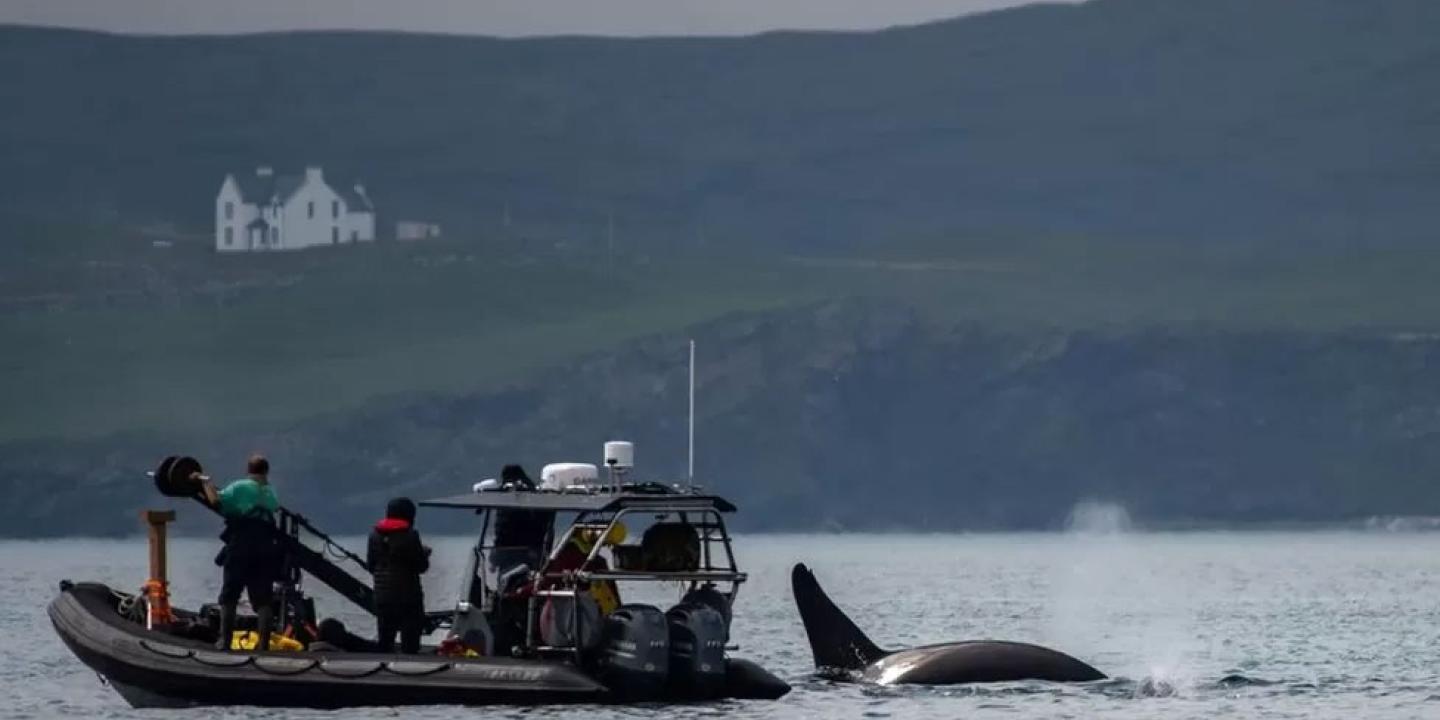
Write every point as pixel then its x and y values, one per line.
pixel 520 535
pixel 397 559
pixel 520 545
pixel 251 557
pixel 521 528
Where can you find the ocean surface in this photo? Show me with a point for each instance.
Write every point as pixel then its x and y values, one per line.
pixel 1188 625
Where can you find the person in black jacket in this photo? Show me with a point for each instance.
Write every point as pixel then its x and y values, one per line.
pixel 397 559
pixel 521 538
pixel 520 535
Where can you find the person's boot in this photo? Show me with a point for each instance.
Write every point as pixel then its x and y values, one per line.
pixel 266 619
pixel 227 627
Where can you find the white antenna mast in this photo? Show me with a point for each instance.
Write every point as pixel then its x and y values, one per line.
pixel 690 475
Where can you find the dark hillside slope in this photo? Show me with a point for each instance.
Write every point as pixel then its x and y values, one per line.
pixel 1299 120
pixel 856 415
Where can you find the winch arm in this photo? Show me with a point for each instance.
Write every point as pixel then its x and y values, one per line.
pixel 314 562
pixel 176 477
pixel 323 568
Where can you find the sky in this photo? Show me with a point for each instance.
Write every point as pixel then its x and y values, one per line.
pixel 510 18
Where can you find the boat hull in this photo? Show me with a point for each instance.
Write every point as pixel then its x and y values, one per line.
pixel 153 669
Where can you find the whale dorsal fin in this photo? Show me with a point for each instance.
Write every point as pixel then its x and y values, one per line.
pixel 834 639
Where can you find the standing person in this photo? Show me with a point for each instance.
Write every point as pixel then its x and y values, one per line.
pixel 251 555
pixel 397 559
pixel 520 547
pixel 520 535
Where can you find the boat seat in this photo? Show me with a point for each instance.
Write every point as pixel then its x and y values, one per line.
pixel 670 547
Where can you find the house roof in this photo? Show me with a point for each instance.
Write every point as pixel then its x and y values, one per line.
pixel 259 189
pixel 286 185
pixel 354 201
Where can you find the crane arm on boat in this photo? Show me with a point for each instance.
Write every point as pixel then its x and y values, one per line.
pixel 175 478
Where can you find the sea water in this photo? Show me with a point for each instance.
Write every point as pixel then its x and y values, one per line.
pixel 1188 625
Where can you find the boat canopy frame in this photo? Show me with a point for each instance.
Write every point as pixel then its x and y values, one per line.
pixel 579 502
pixel 600 512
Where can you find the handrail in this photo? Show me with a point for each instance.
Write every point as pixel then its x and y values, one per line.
pixel 641 575
pixel 314 562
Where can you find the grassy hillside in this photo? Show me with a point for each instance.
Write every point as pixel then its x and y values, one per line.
pixel 143 339
pixel 1176 253
pixel 1299 121
pixel 217 343
pixel 857 414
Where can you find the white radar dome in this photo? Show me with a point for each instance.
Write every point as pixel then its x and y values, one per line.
pixel 559 476
pixel 620 454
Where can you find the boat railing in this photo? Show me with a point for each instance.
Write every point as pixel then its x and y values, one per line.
pixel 716 564
pixel 699 576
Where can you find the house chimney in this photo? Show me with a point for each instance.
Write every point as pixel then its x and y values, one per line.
pixel 359 189
pixel 264 171
pixel 315 173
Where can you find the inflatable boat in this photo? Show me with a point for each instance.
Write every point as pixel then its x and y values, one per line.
pixel 154 669
pixel 553 633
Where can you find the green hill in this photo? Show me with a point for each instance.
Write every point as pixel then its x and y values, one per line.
pixel 1296 121
pixel 854 414
pixel 126 337
pixel 1174 254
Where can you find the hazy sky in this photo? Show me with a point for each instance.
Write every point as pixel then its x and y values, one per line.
pixel 488 17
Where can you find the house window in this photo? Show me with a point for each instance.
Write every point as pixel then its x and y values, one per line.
pixel 334 235
pixel 229 211
pixel 334 208
pixel 311 208
pixel 229 236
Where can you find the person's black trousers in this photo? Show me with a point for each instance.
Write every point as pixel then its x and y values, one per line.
pixel 250 572
pixel 407 620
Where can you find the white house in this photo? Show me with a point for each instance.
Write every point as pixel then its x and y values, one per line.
pixel 264 211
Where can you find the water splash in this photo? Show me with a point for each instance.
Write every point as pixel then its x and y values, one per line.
pixel 1155 686
pixel 1091 517
pixel 1171 677
pixel 1113 598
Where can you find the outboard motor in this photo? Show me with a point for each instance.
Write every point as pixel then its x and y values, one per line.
pixel 633 659
pixel 708 596
pixel 697 651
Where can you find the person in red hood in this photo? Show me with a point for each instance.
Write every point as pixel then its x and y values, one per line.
pixel 397 559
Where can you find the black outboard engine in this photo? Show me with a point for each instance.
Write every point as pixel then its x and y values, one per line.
pixel 697 651
pixel 708 596
pixel 633 659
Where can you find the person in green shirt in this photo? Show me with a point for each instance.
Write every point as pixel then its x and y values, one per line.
pixel 251 557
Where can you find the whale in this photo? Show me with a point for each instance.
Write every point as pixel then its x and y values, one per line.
pixel 842 649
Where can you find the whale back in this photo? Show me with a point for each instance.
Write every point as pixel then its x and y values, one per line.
pixel 979 661
pixel 835 641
